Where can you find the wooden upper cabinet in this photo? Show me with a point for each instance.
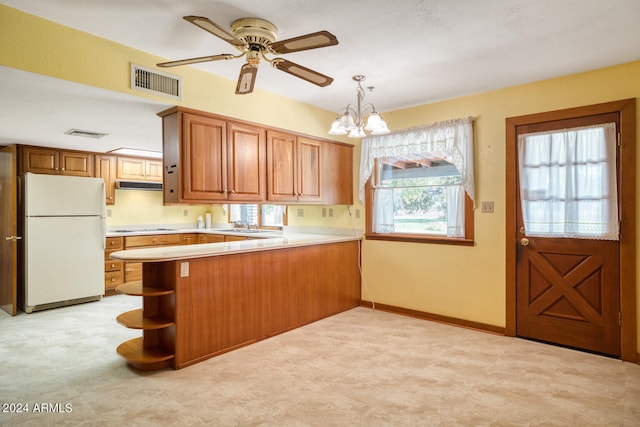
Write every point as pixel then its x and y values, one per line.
pixel 139 169
pixel 246 162
pixel 293 168
pixel 337 174
pixel 106 169
pixel 153 170
pixel 56 162
pixel 76 163
pixel 213 159
pixel 210 159
pixel 309 170
pixel 204 151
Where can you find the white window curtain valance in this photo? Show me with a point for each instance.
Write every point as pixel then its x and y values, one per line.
pixel 568 185
pixel 451 140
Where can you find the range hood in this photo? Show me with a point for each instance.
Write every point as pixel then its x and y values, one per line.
pixel 138 185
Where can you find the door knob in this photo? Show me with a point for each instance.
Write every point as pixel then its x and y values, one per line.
pixel 524 242
pixel 13 238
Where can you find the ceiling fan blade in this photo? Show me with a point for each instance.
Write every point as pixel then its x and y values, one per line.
pixel 247 79
pixel 308 41
pixel 195 60
pixel 210 26
pixel 302 72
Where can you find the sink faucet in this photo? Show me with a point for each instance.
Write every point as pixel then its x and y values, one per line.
pixel 250 225
pixel 240 224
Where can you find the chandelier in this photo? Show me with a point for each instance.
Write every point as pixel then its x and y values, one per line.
pixel 350 120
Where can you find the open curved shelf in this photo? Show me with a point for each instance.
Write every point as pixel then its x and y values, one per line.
pixel 145 359
pixel 136 289
pixel 135 319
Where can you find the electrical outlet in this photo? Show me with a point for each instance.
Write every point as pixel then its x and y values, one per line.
pixel 108 213
pixel 330 212
pixel 357 213
pixel 184 269
pixel 487 207
pixel 324 212
pixel 185 212
pixel 300 213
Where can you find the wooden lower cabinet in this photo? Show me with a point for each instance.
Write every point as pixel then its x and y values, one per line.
pixel 113 270
pixel 133 270
pixel 230 301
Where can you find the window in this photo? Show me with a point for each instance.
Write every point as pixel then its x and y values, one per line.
pixel 262 215
pixel 418 184
pixel 568 184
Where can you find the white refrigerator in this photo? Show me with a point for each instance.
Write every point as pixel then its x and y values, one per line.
pixel 64 240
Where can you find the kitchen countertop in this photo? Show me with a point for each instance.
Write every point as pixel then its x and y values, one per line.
pixel 124 231
pixel 290 237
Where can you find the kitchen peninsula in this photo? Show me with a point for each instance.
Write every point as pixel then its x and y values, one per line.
pixel 206 299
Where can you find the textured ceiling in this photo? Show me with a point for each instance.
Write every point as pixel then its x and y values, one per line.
pixel 412 51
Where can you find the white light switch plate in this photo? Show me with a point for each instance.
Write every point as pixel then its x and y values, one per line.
pixel 184 269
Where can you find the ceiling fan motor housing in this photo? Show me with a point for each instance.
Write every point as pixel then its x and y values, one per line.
pixel 255 32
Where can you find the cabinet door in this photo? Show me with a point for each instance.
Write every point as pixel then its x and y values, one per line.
pixel 204 167
pixel 246 162
pixel 39 160
pixel 337 174
pixel 76 164
pixel 153 170
pixel 282 182
pixel 106 169
pixel 309 170
pixel 131 168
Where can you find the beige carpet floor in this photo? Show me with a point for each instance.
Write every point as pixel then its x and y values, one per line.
pixel 361 367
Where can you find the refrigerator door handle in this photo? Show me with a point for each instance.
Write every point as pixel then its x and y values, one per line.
pixel 104 233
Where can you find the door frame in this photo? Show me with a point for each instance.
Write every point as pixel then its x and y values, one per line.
pixel 10 257
pixel 627 110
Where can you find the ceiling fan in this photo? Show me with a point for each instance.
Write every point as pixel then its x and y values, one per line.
pixel 255 38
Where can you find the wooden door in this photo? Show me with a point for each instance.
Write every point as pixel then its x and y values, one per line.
pixel 568 289
pixel 204 153
pixel 246 162
pixel 8 235
pixel 309 170
pixel 76 163
pixel 282 181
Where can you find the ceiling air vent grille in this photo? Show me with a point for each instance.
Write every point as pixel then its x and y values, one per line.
pixel 158 83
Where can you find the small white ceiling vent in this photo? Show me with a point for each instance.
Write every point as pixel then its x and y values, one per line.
pixel 155 82
pixel 85 133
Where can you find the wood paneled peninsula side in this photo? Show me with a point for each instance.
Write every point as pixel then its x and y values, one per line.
pixel 203 300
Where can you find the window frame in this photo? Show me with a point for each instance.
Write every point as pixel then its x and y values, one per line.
pixel 260 225
pixel 467 240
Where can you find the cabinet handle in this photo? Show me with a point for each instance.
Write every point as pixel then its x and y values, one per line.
pixel 233 191
pixel 113 266
pixel 113 279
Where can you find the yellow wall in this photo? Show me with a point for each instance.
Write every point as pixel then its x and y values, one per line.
pixel 138 207
pixel 461 282
pixel 44 47
pixel 469 282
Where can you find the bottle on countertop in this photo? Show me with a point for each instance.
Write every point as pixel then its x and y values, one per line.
pixel 200 222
